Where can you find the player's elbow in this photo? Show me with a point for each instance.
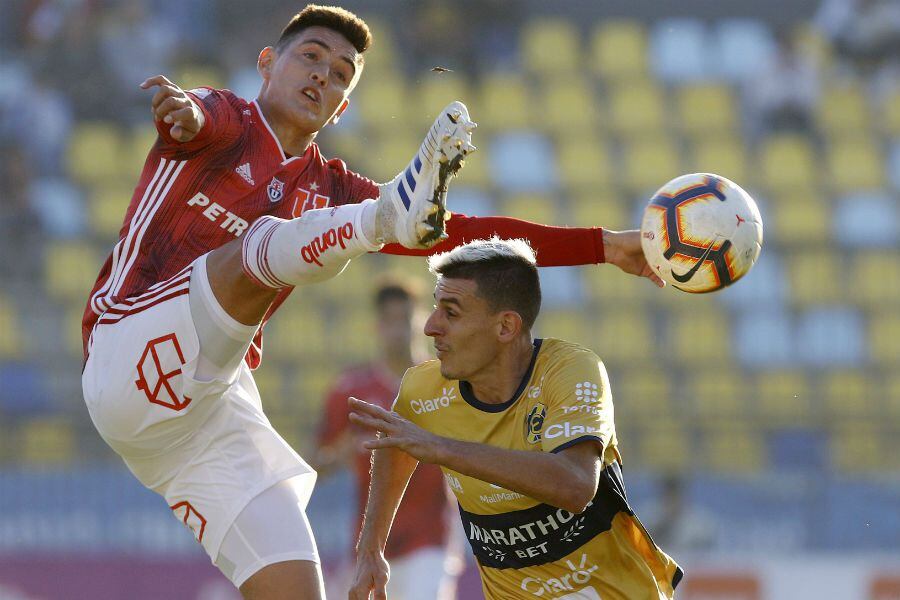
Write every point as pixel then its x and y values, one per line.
pixel 579 495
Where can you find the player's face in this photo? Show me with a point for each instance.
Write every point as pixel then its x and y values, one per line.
pixel 308 82
pixel 395 325
pixel 463 327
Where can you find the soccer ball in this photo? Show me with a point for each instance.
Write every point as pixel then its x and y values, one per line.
pixel 701 232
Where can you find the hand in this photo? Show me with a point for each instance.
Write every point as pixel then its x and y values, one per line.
pixel 172 105
pixel 623 249
pixel 372 574
pixel 396 432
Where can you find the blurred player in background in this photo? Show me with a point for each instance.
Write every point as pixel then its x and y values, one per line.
pixel 423 566
pixel 234 208
pixel 524 431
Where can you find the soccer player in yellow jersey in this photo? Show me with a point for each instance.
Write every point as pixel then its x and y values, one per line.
pixel 523 430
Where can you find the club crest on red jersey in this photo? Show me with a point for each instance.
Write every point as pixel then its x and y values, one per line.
pixel 275 190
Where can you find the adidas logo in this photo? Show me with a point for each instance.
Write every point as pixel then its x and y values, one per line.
pixel 244 171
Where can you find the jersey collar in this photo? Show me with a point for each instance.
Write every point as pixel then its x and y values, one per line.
pixel 310 153
pixel 465 388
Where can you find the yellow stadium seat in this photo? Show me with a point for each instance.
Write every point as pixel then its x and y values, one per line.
pixel 856 164
pixel 890 120
pixel 549 46
pixel 136 145
pixel 47 441
pixel 70 269
pixel 875 279
pixel 74 344
pixel 783 398
pixel 649 164
pixel 637 109
pixel 584 163
pixel 10 334
pixel 607 287
pixel 734 449
pixel 786 162
pixel 849 396
pixel 563 324
pixel 390 153
pixel 700 336
pixel 625 335
pixel 892 396
pixel 815 277
pixel 504 103
pixel 619 48
pixel 725 156
pixel 193 76
pixel 382 57
pixel 800 218
pixel 707 109
pixel 717 394
pixel 436 91
pixel 568 107
pixel 382 105
pixel 475 172
pixel 596 209
pixel 884 337
pixel 843 110
pixel 857 448
pixel 664 447
pixel 269 381
pixel 644 394
pixel 295 330
pixel 533 207
pixel 106 208
pixel 95 153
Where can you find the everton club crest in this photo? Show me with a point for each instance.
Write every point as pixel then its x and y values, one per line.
pixel 276 190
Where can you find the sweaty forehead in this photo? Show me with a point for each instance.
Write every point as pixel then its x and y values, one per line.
pixel 336 42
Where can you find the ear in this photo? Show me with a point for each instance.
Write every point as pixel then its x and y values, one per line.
pixel 340 111
pixel 510 326
pixel 265 62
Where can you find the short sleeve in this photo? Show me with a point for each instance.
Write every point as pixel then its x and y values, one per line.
pixel 221 127
pixel 579 406
pixel 349 187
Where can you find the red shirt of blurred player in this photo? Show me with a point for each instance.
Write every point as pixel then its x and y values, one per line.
pixel 422 519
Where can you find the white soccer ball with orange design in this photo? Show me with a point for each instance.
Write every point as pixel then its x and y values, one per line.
pixel 701 232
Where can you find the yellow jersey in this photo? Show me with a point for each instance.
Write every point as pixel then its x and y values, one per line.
pixel 527 549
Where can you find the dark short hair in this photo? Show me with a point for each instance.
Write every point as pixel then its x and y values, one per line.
pixel 504 271
pixel 394 288
pixel 333 17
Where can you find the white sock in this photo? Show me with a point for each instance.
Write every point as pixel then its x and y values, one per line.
pixel 279 253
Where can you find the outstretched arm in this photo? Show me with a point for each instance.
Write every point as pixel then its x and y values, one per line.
pixel 567 479
pixel 172 105
pixel 391 470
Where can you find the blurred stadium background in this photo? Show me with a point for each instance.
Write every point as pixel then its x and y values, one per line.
pixel 760 426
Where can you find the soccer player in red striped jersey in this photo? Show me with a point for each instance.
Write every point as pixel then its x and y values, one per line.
pixel 234 208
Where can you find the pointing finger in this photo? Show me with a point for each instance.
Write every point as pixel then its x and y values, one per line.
pixel 157 80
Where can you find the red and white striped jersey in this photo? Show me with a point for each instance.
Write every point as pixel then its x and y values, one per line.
pixel 195 196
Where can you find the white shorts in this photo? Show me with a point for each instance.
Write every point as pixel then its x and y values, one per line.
pixel 205 446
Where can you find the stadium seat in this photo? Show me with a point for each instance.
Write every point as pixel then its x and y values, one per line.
pixel 645 395
pixel 10 336
pixel 707 110
pixel 765 287
pixel 607 288
pixel 831 337
pixel 717 395
pixel 700 335
pixel 382 105
pixel 814 277
pixel 619 49
pixel 550 46
pixel 724 156
pixel 867 220
pixel 849 396
pixel 388 154
pixel 522 162
pixel 192 76
pixel 566 324
pixel 763 338
pixel 890 118
pixel 857 448
pixel 568 107
pixel 106 208
pixel 664 446
pixel 799 218
pixel 70 270
pixel 593 208
pixel 285 336
pixel 843 110
pixel 743 47
pixel 504 104
pixel 538 208
pixel 732 449
pixel 584 162
pixel 787 162
pixel 893 162
pixel 875 279
pixel 680 50
pixel 269 381
pixel 47 441
pixel 95 153
pixel 71 339
pixel 436 90
pixel 476 172
pixel 626 335
pixel 855 164
pixel 649 164
pixel 783 398
pixel 382 58
pixel 637 109
pixel 471 200
pixel 892 389
pixel 884 336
